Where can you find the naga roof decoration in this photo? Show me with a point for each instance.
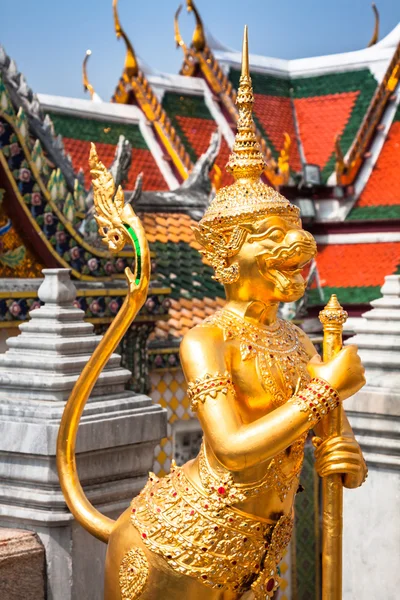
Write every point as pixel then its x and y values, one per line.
pixel 87 86
pixel 134 82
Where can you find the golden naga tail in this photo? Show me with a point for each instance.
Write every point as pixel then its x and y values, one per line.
pixel 118 225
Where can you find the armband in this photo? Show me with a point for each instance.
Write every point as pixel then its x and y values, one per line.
pixel 208 386
pixel 317 399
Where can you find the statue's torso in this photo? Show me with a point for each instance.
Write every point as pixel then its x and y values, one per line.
pixel 265 375
pixel 229 529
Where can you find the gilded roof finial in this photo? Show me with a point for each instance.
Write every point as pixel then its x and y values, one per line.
pixel 178 38
pixel 87 86
pixel 131 63
pixel 375 35
pixel 246 160
pixel 199 38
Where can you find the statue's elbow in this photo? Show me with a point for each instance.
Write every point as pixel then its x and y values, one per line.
pixel 231 456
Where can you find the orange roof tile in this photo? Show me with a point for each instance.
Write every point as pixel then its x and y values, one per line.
pixel 320 119
pixel 356 265
pixel 142 162
pixel 382 188
pixel 198 133
pixel 158 229
pixel 276 117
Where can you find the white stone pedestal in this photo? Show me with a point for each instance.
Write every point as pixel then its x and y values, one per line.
pixel 115 445
pixel 372 513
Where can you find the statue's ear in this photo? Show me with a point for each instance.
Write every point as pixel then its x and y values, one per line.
pixel 197 235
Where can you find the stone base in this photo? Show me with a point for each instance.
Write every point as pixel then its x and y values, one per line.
pixel 115 443
pixel 22 566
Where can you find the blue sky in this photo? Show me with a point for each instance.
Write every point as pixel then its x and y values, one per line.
pixel 48 38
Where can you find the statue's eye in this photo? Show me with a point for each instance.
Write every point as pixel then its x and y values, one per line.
pixel 116 238
pixel 276 235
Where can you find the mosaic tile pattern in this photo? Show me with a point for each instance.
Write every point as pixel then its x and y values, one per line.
pixel 168 389
pixel 307 535
pixel 194 124
pixel 380 198
pixel 77 134
pixel 325 105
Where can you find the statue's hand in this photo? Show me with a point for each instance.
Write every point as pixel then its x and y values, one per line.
pixel 344 372
pixel 341 455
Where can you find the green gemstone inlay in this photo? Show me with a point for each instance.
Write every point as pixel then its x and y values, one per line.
pixel 138 252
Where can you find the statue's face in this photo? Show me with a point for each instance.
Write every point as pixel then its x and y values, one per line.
pixel 272 258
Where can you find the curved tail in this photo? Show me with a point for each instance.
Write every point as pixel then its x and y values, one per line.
pixel 118 224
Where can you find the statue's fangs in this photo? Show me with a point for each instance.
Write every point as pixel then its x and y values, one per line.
pixel 217 527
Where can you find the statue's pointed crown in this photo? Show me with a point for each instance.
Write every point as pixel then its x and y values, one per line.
pixel 248 198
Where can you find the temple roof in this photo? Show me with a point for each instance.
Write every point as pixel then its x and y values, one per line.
pixel 44 172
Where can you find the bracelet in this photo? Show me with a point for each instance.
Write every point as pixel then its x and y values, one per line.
pixel 317 399
pixel 208 386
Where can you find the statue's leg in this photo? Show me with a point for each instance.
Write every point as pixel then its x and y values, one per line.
pixel 146 575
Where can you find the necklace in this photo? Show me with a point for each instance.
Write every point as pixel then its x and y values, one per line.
pixel 279 355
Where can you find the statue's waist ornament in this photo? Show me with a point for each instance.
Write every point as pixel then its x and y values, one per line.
pixel 202 536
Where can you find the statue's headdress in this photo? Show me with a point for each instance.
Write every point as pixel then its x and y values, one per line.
pixel 248 199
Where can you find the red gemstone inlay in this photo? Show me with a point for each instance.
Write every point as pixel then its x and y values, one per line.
pixel 144 535
pixel 270 585
pixel 206 506
pixel 174 494
pixel 204 576
pixel 221 490
pixel 192 512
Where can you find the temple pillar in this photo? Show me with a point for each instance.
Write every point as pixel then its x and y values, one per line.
pixel 371 513
pixel 118 432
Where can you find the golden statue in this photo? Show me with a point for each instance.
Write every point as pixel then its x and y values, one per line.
pixel 216 528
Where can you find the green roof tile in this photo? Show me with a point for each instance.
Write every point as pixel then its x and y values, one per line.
pixel 181 268
pixel 349 295
pixel 376 213
pixel 91 130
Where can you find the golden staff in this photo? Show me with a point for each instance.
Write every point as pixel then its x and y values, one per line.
pixel 332 318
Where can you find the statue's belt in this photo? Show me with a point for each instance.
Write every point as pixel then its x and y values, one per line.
pixel 222 548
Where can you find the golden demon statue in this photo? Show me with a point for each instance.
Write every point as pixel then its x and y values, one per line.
pixel 217 527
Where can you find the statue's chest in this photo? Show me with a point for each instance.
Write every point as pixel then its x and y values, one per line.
pixel 268 367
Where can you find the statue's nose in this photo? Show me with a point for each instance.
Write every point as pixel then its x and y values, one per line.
pixel 298 235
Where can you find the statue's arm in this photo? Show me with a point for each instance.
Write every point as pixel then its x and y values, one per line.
pixel 236 444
